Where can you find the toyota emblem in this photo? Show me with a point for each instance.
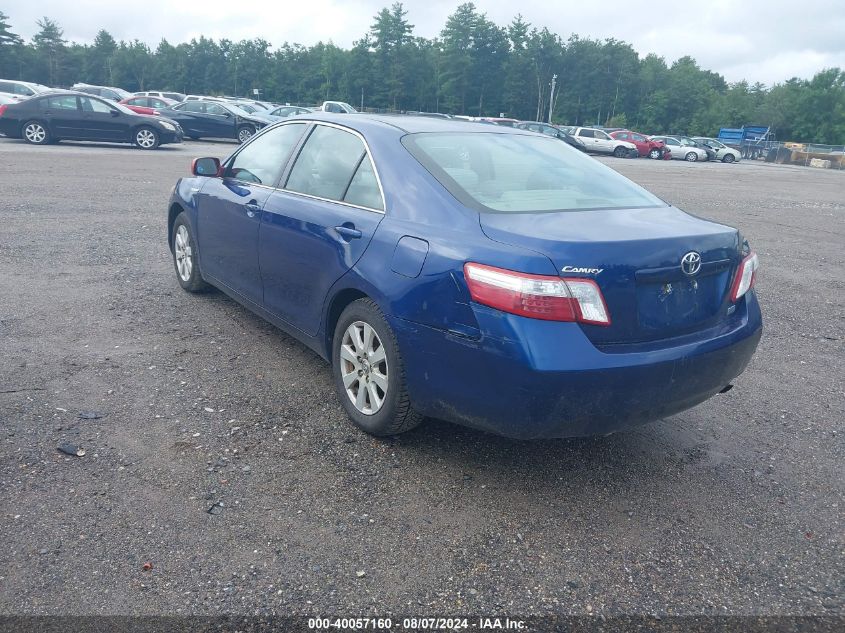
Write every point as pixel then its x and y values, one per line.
pixel 691 263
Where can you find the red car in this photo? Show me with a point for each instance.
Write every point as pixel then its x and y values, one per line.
pixel 645 146
pixel 146 105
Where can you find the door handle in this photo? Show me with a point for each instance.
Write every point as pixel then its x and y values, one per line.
pixel 252 208
pixel 348 232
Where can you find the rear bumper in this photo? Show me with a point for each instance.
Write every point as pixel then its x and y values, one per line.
pixel 547 379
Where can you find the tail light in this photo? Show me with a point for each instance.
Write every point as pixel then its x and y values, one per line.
pixel 2 109
pixel 746 275
pixel 537 296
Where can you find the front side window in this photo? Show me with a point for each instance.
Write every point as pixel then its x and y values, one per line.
pixel 519 173
pixel 327 164
pixel 263 160
pixel 93 105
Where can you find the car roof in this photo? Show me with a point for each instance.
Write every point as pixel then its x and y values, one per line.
pixel 409 124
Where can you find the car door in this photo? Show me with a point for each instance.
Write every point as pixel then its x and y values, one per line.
pixel 101 122
pixel 315 228
pixel 603 142
pixel 190 116
pixel 590 141
pixel 63 116
pixel 229 211
pixel 220 122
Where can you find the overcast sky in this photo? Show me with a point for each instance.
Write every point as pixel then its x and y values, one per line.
pixel 757 40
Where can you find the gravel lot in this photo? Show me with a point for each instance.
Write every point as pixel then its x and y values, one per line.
pixel 734 507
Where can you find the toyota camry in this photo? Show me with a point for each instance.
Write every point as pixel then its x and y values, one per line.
pixel 480 274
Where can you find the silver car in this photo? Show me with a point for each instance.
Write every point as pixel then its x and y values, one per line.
pixel 681 150
pixel 723 152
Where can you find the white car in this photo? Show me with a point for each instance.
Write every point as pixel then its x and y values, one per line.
pixel 681 150
pixel 599 141
pixel 723 152
pixel 19 90
pixel 338 107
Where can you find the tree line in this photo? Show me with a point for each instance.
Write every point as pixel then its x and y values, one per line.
pixel 474 67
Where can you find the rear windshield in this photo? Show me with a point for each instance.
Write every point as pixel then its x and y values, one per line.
pixel 513 173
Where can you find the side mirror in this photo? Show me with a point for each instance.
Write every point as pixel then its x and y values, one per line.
pixel 205 167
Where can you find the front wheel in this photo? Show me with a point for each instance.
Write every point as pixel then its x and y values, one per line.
pixel 35 132
pixel 245 133
pixel 620 152
pixel 146 138
pixel 369 372
pixel 185 256
pixel 691 157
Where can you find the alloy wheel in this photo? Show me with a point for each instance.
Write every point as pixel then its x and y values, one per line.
pixel 35 133
pixel 145 138
pixel 363 367
pixel 184 254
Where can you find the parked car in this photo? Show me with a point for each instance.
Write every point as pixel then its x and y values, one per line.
pixel 487 276
pixel 723 152
pixel 551 130
pixel 51 117
pixel 645 146
pixel 285 111
pixel 601 142
pixel 215 119
pixel 147 105
pixel 507 122
pixel 338 107
pixel 173 96
pixel 107 92
pixel 21 89
pixel 688 141
pixel 681 151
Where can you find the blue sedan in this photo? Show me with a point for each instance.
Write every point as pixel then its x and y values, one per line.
pixel 485 275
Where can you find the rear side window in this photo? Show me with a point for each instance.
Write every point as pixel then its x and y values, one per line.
pixel 513 173
pixel 263 160
pixel 334 165
pixel 363 191
pixel 67 102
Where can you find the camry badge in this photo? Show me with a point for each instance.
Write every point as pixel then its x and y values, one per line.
pixel 576 269
pixel 691 263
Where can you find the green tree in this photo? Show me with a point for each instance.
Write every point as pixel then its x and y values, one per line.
pixel 50 45
pixel 10 45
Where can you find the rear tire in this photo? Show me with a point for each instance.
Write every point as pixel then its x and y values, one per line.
pixel 35 132
pixel 691 157
pixel 146 138
pixel 369 372
pixel 185 259
pixel 620 152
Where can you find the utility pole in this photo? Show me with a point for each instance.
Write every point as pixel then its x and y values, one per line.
pixel 552 97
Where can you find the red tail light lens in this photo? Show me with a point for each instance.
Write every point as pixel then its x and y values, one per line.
pixel 537 296
pixel 746 275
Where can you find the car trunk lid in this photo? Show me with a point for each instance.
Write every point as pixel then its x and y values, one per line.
pixel 634 255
